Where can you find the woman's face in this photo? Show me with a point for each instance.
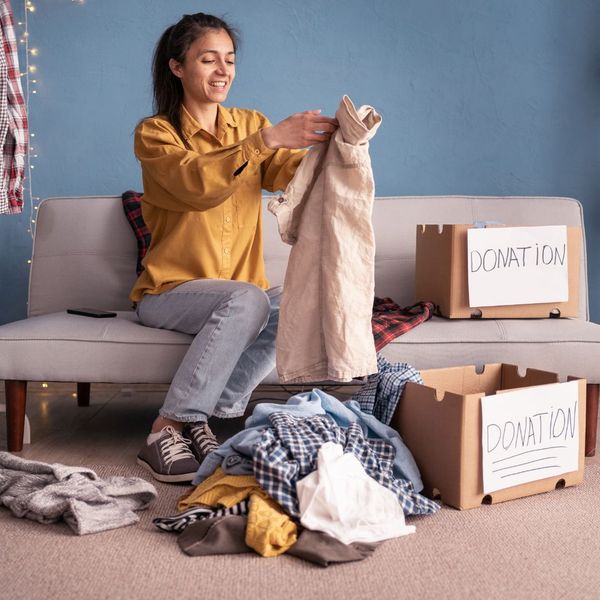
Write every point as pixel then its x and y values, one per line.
pixel 208 69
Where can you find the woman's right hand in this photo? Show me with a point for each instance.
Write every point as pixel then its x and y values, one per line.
pixel 300 130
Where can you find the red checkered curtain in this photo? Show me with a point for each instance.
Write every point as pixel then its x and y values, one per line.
pixel 13 117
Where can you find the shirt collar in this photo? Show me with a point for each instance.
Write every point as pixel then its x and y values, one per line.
pixel 226 116
pixel 190 127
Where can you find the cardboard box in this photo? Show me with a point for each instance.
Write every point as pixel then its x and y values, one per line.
pixel 442 277
pixel 441 423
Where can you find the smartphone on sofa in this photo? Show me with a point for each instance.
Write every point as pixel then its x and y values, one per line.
pixel 92 312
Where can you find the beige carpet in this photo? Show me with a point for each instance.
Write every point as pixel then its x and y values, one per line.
pixel 546 546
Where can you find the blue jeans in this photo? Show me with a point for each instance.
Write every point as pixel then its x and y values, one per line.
pixel 234 324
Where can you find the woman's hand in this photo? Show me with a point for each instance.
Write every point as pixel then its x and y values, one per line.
pixel 300 130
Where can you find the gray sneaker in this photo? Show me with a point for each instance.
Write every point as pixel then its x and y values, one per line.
pixel 202 438
pixel 169 458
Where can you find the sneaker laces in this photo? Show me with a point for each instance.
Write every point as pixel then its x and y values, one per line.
pixel 174 446
pixel 203 438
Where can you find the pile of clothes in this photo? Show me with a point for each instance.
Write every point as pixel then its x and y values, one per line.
pixel 315 477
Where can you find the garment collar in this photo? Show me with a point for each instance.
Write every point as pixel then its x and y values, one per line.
pixel 191 127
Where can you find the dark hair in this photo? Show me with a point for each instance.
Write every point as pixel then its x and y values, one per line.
pixel 174 43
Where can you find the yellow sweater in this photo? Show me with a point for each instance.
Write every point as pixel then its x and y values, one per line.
pixel 203 206
pixel 269 531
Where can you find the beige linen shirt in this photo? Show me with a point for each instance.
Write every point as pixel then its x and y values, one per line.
pixel 324 328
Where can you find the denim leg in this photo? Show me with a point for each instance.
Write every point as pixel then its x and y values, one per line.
pixel 226 318
pixel 257 361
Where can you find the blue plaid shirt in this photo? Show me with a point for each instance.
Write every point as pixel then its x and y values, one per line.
pixel 380 394
pixel 288 451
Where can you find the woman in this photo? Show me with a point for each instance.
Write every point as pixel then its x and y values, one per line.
pixel 203 169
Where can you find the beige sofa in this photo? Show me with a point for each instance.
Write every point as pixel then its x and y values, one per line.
pixel 84 255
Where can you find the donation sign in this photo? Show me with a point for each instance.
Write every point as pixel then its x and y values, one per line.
pixel 529 434
pixel 517 265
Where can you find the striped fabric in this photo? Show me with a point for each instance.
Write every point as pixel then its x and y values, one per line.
pixel 13 117
pixel 178 522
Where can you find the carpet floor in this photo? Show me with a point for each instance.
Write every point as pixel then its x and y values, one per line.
pixel 545 546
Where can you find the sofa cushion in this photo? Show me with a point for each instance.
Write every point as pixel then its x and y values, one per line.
pixel 569 347
pixel 64 347
pixel 133 211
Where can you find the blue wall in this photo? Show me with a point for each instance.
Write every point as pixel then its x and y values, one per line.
pixel 478 96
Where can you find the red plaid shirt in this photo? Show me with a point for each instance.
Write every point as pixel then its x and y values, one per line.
pixel 13 117
pixel 389 320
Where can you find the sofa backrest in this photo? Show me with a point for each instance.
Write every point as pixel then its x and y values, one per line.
pixel 84 251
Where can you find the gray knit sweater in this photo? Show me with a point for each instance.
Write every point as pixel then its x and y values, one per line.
pixel 50 492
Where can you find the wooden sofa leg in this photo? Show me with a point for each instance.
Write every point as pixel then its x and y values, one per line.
pixel 16 396
pixel 591 418
pixel 83 394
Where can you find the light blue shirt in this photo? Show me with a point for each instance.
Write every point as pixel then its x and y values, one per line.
pixel 235 455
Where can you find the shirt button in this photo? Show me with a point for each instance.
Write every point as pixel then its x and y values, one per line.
pixel 226 250
pixel 256 151
pixel 227 219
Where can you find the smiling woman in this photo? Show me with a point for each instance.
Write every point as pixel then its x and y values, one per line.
pixel 208 73
pixel 203 168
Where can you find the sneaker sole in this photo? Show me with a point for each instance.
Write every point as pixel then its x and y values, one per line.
pixel 181 478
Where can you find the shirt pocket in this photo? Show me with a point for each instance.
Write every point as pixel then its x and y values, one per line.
pixel 246 203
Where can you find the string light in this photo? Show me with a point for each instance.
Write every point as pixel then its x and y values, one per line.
pixel 30 82
pixel 30 69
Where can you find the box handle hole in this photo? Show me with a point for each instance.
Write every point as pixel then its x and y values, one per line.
pixel 560 484
pixel 555 313
pixel 435 494
pixel 487 499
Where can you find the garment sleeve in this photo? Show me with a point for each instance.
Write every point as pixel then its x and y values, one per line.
pixel 193 180
pixel 279 168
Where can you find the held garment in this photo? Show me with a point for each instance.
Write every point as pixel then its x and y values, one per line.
pixel 325 317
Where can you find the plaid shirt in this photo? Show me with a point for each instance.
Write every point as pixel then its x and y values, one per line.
pixel 13 117
pixel 133 211
pixel 389 320
pixel 380 394
pixel 288 451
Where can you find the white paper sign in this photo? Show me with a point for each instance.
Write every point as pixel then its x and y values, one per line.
pixel 517 265
pixel 529 434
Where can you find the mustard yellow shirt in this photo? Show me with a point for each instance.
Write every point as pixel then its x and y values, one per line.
pixel 203 205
